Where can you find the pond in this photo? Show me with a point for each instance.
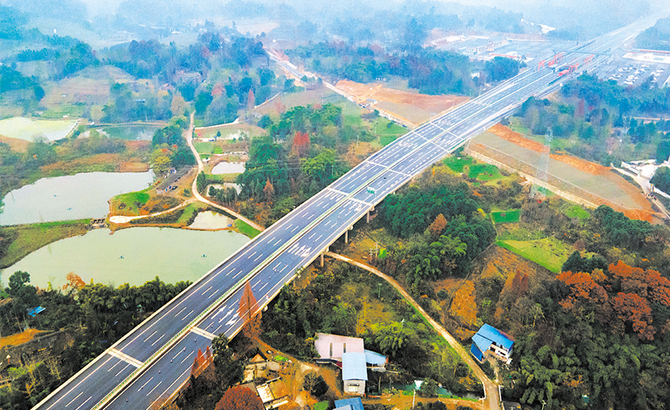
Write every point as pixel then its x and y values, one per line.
pixel 210 220
pixel 133 256
pixel 142 132
pixel 70 197
pixel 29 129
pixel 228 168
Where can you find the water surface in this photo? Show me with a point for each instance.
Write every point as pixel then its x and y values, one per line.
pixel 134 256
pixel 70 197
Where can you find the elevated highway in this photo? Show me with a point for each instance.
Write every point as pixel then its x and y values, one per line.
pixel 151 362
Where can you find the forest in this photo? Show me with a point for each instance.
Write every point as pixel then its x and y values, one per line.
pixel 430 71
pixel 94 315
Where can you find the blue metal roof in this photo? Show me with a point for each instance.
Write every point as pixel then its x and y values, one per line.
pixel 488 334
pixel 375 358
pixel 355 403
pixel 476 351
pixel 353 366
pixel 347 407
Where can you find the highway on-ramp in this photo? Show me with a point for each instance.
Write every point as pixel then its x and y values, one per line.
pixel 154 360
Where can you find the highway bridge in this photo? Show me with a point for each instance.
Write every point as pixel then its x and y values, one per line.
pixel 151 362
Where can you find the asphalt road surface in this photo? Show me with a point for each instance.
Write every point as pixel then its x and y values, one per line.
pixel 153 360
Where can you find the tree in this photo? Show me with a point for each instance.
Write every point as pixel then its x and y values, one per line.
pixel 228 370
pixel 239 398
pixel 438 225
pixel 501 68
pixel 315 384
pixel 269 191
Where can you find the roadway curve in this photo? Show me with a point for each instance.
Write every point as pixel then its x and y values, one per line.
pixel 188 134
pixel 491 399
pixel 153 360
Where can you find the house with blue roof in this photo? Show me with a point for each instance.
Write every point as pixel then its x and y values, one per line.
pixel 490 340
pixel 349 404
pixel 354 373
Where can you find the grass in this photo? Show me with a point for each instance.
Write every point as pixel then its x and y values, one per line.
pixel 504 217
pixel 548 252
pixel 385 140
pixel 484 172
pixel 458 164
pixel 280 358
pixel 189 213
pixel 322 405
pixel 124 202
pixel 29 238
pixel 246 229
pixel 576 211
pixel 204 147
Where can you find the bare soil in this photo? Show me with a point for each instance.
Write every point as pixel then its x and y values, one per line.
pixel 411 106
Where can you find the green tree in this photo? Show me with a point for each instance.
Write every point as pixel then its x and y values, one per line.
pixel 228 370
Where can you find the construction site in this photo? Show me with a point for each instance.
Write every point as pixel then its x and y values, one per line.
pixel 572 178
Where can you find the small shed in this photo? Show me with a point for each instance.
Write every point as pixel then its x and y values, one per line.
pixel 354 373
pixel 332 347
pixel 490 339
pixel 352 404
pixel 376 361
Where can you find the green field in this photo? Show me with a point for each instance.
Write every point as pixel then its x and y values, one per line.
pixel 458 164
pixel 484 172
pixel 575 211
pixel 548 252
pixel 246 229
pixel 504 217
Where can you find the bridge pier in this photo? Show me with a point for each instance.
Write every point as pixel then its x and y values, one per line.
pixel 346 234
pixel 322 253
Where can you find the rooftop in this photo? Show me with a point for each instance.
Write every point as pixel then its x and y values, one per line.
pixel 353 404
pixel 354 367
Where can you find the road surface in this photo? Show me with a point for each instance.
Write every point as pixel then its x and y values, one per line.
pixel 151 362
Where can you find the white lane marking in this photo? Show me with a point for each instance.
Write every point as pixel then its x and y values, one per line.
pixel 158 339
pixel 141 387
pixel 293 230
pixel 260 256
pixel 179 313
pixel 185 358
pixel 264 285
pixel 120 371
pixel 282 269
pixel 149 337
pixel 111 367
pixel 151 391
pixel 206 290
pixel 169 387
pixel 187 315
pixel 82 405
pixel 249 257
pixel 74 399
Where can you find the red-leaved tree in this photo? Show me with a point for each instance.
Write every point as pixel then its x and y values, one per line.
pixel 239 398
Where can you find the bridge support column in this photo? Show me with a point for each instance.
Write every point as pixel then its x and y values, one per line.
pixel 346 234
pixel 322 253
pixel 368 214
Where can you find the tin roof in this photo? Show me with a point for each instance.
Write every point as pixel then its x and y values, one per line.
pixel 353 367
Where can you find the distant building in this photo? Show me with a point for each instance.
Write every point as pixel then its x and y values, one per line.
pixel 332 347
pixel 489 339
pixel 354 373
pixel 349 404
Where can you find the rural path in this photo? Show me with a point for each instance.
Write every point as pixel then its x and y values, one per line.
pixel 188 134
pixel 491 399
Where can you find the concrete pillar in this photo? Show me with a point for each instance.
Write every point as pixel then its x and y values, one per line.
pixel 346 236
pixel 368 217
pixel 322 260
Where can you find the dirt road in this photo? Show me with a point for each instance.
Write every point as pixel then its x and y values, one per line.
pixel 491 400
pixel 188 134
